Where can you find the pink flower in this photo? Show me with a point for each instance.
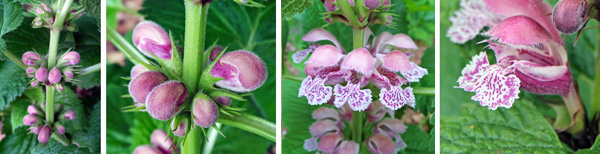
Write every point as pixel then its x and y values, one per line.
pixel 151 39
pixel 243 71
pixel 30 57
pixel 330 65
pixel 527 55
pixel 477 14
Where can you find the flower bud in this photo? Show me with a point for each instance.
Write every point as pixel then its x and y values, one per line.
pixel 243 71
pixel 149 37
pixel 30 120
pixel 223 100
pixel 379 143
pixel 376 113
pixel 205 111
pixel 34 83
pixel 44 134
pixel 214 53
pixel 60 129
pixel 180 130
pixel 146 149
pixel 164 100
pixel 59 87
pixel 160 139
pixel 70 58
pixel 329 6
pixel 569 16
pixel 137 69
pixel 372 4
pixel 30 57
pixel 143 83
pixel 35 129
pixel 30 71
pixel 70 115
pixel 68 75
pixel 349 147
pixel 386 3
pixel 54 76
pixel 33 110
pixel 330 142
pixel 41 74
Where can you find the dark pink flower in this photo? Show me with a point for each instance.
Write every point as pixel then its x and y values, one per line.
pixel 243 71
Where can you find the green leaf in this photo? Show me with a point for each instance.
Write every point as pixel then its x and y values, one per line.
pixel 18 111
pixel 94 129
pixel 297 119
pixel 69 100
pixel 92 7
pixel 13 83
pixel 87 43
pixel 55 147
pixel 17 141
pixel 417 140
pixel 11 16
pixel 143 126
pixel 520 129
pixel 292 7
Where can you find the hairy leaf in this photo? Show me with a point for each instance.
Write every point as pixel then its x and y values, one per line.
pixel 13 83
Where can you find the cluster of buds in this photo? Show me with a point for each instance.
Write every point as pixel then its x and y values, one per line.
pixel 63 71
pixel 46 15
pixel 161 144
pixel 35 119
pixel 161 93
pixel 328 132
pixel 368 13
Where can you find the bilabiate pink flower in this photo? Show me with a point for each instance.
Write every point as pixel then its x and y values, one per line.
pixel 474 15
pixel 330 65
pixel 151 39
pixel 527 56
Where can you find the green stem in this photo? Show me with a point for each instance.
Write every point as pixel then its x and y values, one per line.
pixel 576 110
pixel 193 141
pixel 212 138
pixel 250 123
pixel 349 13
pixel 14 58
pixel 595 103
pixel 49 104
pixel 424 91
pixel 358 37
pixel 53 47
pixel 357 119
pixel 195 29
pixel 91 69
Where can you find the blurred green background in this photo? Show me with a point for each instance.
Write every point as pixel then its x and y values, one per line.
pixel 415 19
pixel 234 26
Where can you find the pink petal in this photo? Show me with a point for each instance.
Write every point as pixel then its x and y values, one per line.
pixel 473 71
pixel 520 30
pixel 367 34
pixel 401 41
pixel 558 86
pixel 359 60
pixel 321 128
pixel 536 9
pixel 539 72
pixel 390 125
pixel 319 34
pixel 494 89
pixel 349 147
pixel 378 42
pixel 415 73
pixel 358 99
pixel 299 56
pixel 315 91
pixel 470 20
pixel 397 97
pixel 330 142
pixel 384 78
pixel 326 113
pixel 396 61
pixel 325 55
pixel 311 144
pixel 379 143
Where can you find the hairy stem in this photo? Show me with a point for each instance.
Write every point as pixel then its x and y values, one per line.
pixel 91 69
pixel 195 29
pixel 193 141
pixel 49 104
pixel 250 123
pixel 15 59
pixel 357 120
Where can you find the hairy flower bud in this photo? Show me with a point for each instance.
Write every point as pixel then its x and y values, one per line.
pixel 70 115
pixel 164 100
pixel 44 134
pixel 60 129
pixel 35 129
pixel 205 111
pixel 349 147
pixel 243 71
pixel 30 57
pixel 329 6
pixel 146 149
pixel 30 71
pixel 68 75
pixel 569 16
pixel 379 143
pixel 54 76
pixel 70 58
pixel 161 140
pixel 150 38
pixel 34 83
pixel 214 53
pixel 180 130
pixel 137 69
pixel 372 4
pixel 41 74
pixel 330 142
pixel 30 120
pixel 33 110
pixel 223 100
pixel 143 83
